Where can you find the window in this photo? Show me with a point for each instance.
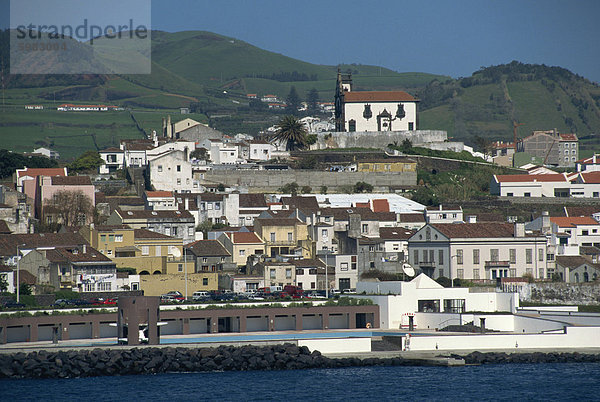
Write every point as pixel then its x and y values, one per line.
pixel 512 253
pixel 529 256
pixel 272 273
pixel 454 306
pixel 103 238
pixel 242 253
pixel 145 250
pixel 178 182
pixel 109 252
pixel 513 273
pixel 527 195
pixel 365 228
pixel 550 257
pixel 460 273
pixel 157 251
pixel 352 125
pixel 411 126
pixel 424 259
pixel 179 267
pixel 431 255
pixel 179 168
pixel 217 206
pixel 204 259
pixel 440 257
pixel 541 256
pixel 290 236
pixel 476 256
pixel 299 271
pixel 159 168
pixel 509 194
pixel 476 273
pixel 191 231
pixel 312 285
pixel 396 247
pixel 415 256
pixel 204 281
pixel 168 231
pixel 111 238
pixel 272 236
pixel 288 273
pixel 494 255
pixel 585 233
pixel 119 238
pixel 324 233
pixel 459 256
pixel 344 266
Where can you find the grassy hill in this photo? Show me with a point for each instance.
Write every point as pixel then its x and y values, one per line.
pixel 536 96
pixel 213 73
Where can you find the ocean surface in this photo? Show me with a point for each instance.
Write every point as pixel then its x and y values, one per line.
pixel 514 382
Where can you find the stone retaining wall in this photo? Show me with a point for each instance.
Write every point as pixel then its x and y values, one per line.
pixel 561 293
pixel 377 139
pixel 261 180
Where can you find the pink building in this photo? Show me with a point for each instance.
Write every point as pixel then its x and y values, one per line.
pixel 49 186
pixel 26 179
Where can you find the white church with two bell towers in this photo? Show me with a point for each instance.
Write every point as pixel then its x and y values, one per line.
pixel 372 110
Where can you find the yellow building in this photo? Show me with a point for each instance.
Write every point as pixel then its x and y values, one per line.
pixel 156 285
pixel 241 245
pixel 392 165
pixel 284 236
pixel 145 251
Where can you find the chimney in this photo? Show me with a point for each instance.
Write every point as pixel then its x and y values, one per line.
pixel 154 138
pixel 187 204
pixel 519 229
pixel 471 218
pixel 545 222
pixel 169 127
pixel 164 127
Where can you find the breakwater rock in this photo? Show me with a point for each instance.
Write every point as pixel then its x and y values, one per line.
pixel 151 360
pixel 535 357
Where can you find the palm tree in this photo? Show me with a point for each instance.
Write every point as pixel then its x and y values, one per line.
pixel 291 130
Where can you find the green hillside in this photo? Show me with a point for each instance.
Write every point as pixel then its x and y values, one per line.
pixel 212 74
pixel 536 96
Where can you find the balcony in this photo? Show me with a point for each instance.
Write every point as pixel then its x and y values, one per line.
pixel 497 264
pixel 282 243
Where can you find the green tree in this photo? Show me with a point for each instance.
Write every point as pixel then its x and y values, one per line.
pixel 363 187
pixel 292 101
pixel 10 161
pixel 290 188
pixel 406 146
pixel 292 131
pixel 24 289
pixel 312 99
pixel 89 160
pixel 323 190
pixel 3 284
pixel 200 154
pixel 306 189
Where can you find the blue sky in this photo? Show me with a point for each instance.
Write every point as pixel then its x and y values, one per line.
pixel 437 36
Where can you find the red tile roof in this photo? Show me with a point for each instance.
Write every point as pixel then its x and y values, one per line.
pixel 568 137
pixel 244 238
pixel 475 230
pixel 159 194
pixel 71 181
pixel 531 178
pixel 378 96
pixel 573 221
pixel 591 177
pixel 42 172
pixel 381 205
pixel 581 210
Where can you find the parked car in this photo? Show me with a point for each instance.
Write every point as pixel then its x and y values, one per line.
pixel 13 304
pixel 175 296
pixel 61 303
pixel 200 295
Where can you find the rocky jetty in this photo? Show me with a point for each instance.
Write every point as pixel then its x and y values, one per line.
pixel 152 360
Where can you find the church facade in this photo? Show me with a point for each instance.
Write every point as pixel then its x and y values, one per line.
pixel 373 110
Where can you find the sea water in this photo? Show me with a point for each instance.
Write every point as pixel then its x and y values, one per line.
pixel 515 382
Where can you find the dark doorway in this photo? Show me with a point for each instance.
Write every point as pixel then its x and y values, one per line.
pixel 225 324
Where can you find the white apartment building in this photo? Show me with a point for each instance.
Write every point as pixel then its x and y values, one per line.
pixel 172 171
pixel 444 214
pixel 478 251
